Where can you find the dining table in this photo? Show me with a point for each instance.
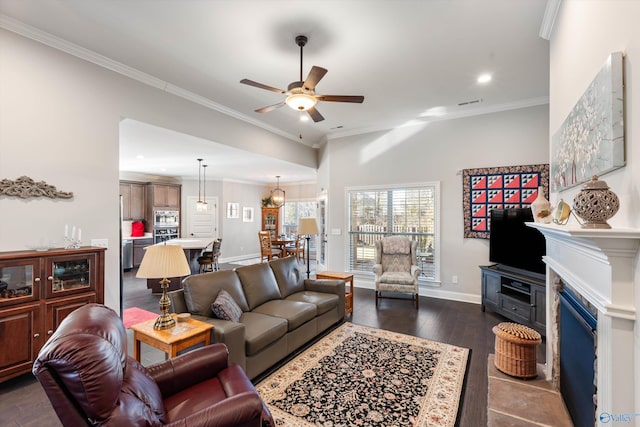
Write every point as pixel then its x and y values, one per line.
pixel 282 242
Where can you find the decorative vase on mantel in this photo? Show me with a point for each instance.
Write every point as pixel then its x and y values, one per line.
pixel 541 208
pixel 595 204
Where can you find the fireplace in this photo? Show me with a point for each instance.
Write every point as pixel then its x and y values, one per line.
pixel 578 325
pixel 598 265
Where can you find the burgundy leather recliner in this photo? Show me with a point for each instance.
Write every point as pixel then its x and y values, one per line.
pixel 90 380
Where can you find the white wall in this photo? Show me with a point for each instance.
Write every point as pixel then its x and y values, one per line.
pixel 59 120
pixel 584 34
pixel 435 151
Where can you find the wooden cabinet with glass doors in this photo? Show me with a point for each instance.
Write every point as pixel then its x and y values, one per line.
pixel 270 221
pixel 37 291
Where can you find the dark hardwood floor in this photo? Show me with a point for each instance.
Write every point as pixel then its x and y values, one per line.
pixel 23 403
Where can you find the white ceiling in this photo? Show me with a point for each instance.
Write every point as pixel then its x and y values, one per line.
pixel 412 60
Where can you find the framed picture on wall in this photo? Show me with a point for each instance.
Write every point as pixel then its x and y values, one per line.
pixel 233 210
pixel 247 214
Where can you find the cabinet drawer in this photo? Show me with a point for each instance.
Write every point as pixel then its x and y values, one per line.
pixel 515 309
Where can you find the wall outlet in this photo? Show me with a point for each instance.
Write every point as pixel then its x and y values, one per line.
pixel 101 243
pixel 454 280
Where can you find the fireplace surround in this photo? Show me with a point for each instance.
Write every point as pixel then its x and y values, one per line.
pixel 599 265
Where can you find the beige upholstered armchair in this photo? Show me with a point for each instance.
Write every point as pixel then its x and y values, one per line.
pixel 396 267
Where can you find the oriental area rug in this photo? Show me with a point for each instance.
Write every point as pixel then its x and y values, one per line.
pixel 360 376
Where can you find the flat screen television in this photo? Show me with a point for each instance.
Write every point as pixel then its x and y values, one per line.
pixel 512 244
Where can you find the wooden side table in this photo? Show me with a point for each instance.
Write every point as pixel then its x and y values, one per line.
pixel 172 340
pixel 348 278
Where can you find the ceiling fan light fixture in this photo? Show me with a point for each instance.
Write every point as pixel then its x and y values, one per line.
pixel 301 101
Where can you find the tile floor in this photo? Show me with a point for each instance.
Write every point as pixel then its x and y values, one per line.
pixel 523 403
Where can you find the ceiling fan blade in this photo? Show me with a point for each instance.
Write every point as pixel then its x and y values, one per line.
pixel 314 77
pixel 315 115
pixel 270 107
pixel 261 86
pixel 340 98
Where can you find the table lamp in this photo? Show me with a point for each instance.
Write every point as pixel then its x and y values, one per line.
pixel 161 262
pixel 307 226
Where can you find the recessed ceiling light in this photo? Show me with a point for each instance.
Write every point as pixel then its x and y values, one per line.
pixel 484 78
pixel 304 117
pixel 139 157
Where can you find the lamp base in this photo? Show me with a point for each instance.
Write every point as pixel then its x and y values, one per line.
pixel 165 321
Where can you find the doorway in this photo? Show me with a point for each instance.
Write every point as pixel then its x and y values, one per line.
pixel 202 224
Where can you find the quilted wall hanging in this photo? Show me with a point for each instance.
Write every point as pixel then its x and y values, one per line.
pixel 500 187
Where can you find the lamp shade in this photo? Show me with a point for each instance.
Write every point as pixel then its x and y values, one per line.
pixel 307 226
pixel 163 261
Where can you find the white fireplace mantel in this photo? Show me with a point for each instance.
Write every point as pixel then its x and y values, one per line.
pixel 599 264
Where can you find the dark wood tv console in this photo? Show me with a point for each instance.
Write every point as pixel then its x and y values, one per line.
pixel 516 296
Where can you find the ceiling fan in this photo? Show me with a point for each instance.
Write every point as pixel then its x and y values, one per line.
pixel 301 95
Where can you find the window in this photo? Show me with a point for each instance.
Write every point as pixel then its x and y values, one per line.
pixel 402 211
pixel 294 210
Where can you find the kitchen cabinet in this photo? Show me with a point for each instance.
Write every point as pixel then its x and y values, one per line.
pixel 270 221
pixel 138 250
pixel 37 291
pixel 164 196
pixel 134 200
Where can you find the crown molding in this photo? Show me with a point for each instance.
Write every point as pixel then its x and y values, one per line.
pixel 549 18
pixel 55 42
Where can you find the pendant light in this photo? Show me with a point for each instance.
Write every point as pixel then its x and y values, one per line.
pixel 199 205
pixel 277 194
pixel 204 205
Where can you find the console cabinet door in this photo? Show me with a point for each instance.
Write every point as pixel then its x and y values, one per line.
pixel 20 339
pixel 71 274
pixel 490 290
pixel 539 302
pixel 57 309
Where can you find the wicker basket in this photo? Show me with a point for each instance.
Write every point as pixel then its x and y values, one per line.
pixel 516 347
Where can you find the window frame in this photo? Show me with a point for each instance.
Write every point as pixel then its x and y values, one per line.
pixel 435 185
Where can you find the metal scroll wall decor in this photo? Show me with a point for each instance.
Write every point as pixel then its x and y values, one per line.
pixel 590 141
pixel 25 188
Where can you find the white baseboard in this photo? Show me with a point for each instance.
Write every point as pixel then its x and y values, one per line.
pixel 231 260
pixel 428 292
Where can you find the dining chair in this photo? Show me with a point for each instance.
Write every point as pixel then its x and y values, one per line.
pixel 267 252
pixel 296 249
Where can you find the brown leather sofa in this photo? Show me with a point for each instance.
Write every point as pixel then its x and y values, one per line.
pixel 281 310
pixel 90 380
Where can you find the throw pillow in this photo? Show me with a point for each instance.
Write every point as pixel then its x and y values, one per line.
pixel 225 308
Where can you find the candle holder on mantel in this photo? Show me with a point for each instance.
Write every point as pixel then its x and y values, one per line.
pixel 595 204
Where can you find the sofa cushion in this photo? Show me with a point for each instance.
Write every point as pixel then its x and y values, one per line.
pixel 289 275
pixel 261 330
pixel 200 290
pixel 259 284
pixel 225 308
pixel 323 302
pixel 295 313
